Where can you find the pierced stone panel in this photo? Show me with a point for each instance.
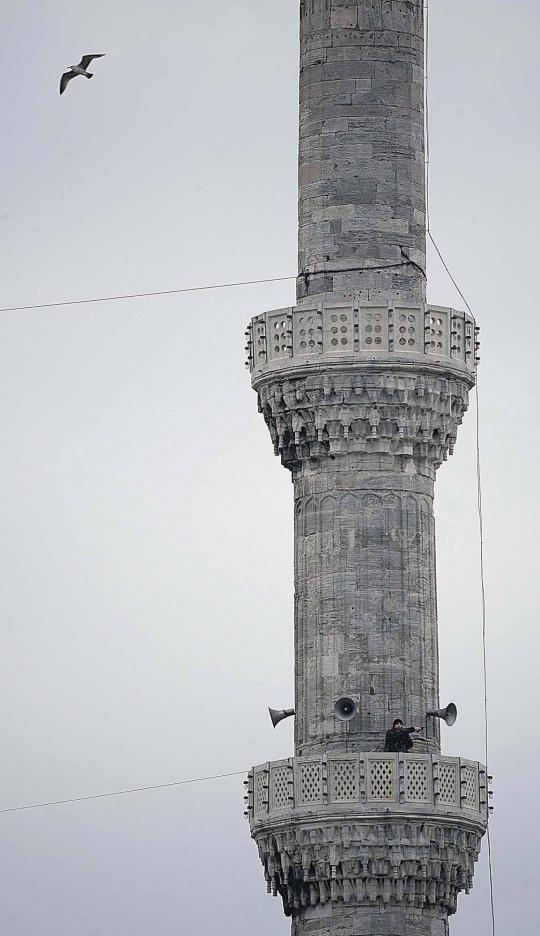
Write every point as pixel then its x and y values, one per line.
pixel 469 787
pixel 279 787
pixel 381 779
pixel 261 792
pixel 310 783
pixel 418 782
pixel 437 331
pixel 471 345
pixel 259 341
pixel 408 330
pixel 344 781
pixel 448 784
pixel 457 337
pixel 338 329
pixel 307 331
pixel 374 329
pixel 279 334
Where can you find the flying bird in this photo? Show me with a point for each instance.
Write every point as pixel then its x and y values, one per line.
pixel 80 69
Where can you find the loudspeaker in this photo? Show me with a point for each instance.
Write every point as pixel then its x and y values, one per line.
pixel 345 709
pixel 448 714
pixel 278 715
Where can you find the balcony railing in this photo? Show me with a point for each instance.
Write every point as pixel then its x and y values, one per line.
pixel 361 332
pixel 367 783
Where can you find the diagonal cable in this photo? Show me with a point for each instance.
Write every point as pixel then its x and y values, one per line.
pixel 146 789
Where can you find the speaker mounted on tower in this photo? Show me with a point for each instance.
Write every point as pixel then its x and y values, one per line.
pixel 448 714
pixel 278 715
pixel 345 709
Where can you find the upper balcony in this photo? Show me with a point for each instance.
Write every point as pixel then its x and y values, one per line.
pixel 333 334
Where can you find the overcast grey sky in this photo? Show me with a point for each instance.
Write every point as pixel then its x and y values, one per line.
pixel 146 548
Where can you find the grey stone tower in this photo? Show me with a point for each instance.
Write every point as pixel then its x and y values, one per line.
pixel 363 387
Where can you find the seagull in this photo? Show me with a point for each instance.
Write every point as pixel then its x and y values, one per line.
pixel 80 69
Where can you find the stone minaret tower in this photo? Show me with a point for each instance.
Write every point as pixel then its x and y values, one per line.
pixel 363 387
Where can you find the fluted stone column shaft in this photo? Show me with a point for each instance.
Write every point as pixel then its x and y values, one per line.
pixel 365 602
pixel 361 164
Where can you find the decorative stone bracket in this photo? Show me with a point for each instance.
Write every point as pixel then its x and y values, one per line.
pixel 354 410
pixel 417 862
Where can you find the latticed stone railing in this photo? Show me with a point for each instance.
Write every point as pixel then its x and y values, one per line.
pixel 367 783
pixel 363 332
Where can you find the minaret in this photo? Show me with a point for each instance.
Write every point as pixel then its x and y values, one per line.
pixel 363 387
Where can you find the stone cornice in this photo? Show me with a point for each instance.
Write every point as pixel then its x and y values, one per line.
pixel 410 417
pixel 419 862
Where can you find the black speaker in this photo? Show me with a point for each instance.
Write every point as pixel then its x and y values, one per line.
pixel 345 709
pixel 278 715
pixel 448 714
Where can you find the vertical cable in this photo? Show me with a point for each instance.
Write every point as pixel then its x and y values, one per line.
pixel 484 636
pixel 478 458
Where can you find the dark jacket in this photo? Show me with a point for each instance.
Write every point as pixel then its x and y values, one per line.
pixel 398 740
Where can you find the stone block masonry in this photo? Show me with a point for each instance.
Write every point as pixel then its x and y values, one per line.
pixel 361 167
pixel 363 387
pixel 363 429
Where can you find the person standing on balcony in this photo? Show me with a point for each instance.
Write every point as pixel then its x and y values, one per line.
pixel 398 738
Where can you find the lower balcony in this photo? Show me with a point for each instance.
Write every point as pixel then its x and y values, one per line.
pixel 367 783
pixel 397 832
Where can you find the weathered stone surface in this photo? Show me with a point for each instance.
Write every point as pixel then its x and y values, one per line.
pixel 340 920
pixel 363 447
pixel 355 332
pixel 420 863
pixel 363 388
pixel 409 423
pixel 361 785
pixel 362 63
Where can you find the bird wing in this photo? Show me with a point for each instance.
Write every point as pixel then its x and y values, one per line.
pixel 66 77
pixel 86 59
